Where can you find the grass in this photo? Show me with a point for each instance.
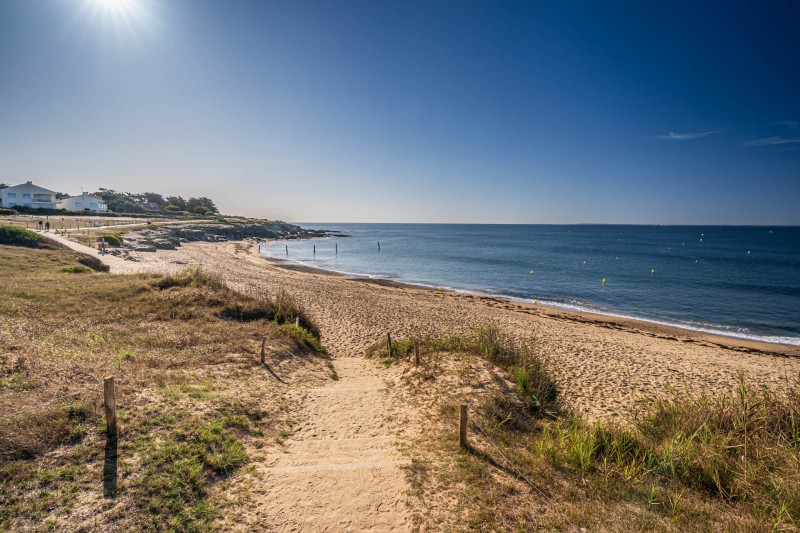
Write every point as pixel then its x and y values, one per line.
pixel 193 401
pixel 723 461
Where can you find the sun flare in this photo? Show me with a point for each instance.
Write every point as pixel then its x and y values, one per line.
pixel 115 4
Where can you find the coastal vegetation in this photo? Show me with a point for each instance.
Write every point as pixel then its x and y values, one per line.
pixel 16 236
pixel 725 460
pixel 195 405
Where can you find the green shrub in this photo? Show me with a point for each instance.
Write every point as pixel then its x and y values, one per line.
pixel 304 337
pixel 76 269
pixel 14 236
pixel 112 240
pixel 7 212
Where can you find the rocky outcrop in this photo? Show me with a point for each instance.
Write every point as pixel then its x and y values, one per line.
pixel 172 236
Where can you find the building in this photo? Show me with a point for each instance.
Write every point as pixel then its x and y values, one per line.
pixel 28 195
pixel 83 202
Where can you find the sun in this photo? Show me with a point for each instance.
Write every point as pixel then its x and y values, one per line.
pixel 125 17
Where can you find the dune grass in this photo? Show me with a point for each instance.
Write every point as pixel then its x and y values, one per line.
pixel 194 403
pixel 728 460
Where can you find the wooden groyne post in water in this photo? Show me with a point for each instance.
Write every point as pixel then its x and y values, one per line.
pixel 287 249
pixel 462 427
pixel 110 404
pixel 315 249
pixel 379 246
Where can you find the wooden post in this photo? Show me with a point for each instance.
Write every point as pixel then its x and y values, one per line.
pixel 110 403
pixel 389 337
pixel 379 246
pixel 315 249
pixel 462 428
pixel 416 355
pixel 337 248
pixel 263 349
pixel 297 321
pixel 287 249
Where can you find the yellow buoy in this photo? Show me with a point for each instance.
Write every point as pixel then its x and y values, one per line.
pixel 535 302
pixel 531 272
pixel 440 288
pixel 652 270
pixel 584 263
pixel 604 281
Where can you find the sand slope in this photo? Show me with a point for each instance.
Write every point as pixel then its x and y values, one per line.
pixel 340 469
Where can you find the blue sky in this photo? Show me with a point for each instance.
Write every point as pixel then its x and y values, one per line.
pixel 547 112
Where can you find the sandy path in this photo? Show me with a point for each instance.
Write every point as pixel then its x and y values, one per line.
pixel 340 469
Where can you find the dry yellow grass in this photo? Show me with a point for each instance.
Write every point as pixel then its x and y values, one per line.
pixel 195 404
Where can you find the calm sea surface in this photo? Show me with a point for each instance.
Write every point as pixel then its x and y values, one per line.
pixel 737 281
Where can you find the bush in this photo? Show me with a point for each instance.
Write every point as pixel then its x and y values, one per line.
pixel 14 236
pixel 76 269
pixel 112 240
pixel 94 263
pixel 7 212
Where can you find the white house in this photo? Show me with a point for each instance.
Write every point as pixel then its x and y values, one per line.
pixel 28 195
pixel 83 202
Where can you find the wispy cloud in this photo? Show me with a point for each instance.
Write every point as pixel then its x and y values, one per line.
pixel 672 136
pixel 772 141
pixel 788 123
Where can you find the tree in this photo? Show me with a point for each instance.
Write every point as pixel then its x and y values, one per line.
pixel 172 207
pixel 200 210
pixel 177 201
pixel 154 198
pixel 4 185
pixel 124 205
pixel 201 202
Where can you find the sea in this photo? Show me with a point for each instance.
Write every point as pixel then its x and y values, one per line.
pixel 740 282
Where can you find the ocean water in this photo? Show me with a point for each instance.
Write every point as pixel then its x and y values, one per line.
pixel 736 281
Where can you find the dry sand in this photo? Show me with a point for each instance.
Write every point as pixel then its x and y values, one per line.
pixel 604 364
pixel 341 469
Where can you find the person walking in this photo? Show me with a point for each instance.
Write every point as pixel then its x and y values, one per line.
pixel 47 226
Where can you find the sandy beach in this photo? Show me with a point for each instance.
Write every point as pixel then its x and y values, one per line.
pixel 603 364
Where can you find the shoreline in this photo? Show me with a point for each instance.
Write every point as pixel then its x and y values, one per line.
pixel 605 366
pixel 730 342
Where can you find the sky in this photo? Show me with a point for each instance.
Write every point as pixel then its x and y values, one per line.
pixel 406 111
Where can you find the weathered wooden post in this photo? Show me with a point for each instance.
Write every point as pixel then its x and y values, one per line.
pixel 389 337
pixel 315 249
pixel 297 321
pixel 263 349
pixel 416 354
pixel 462 428
pixel 337 248
pixel 379 246
pixel 110 403
pixel 287 249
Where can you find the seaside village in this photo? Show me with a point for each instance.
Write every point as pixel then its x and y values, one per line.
pixel 33 196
